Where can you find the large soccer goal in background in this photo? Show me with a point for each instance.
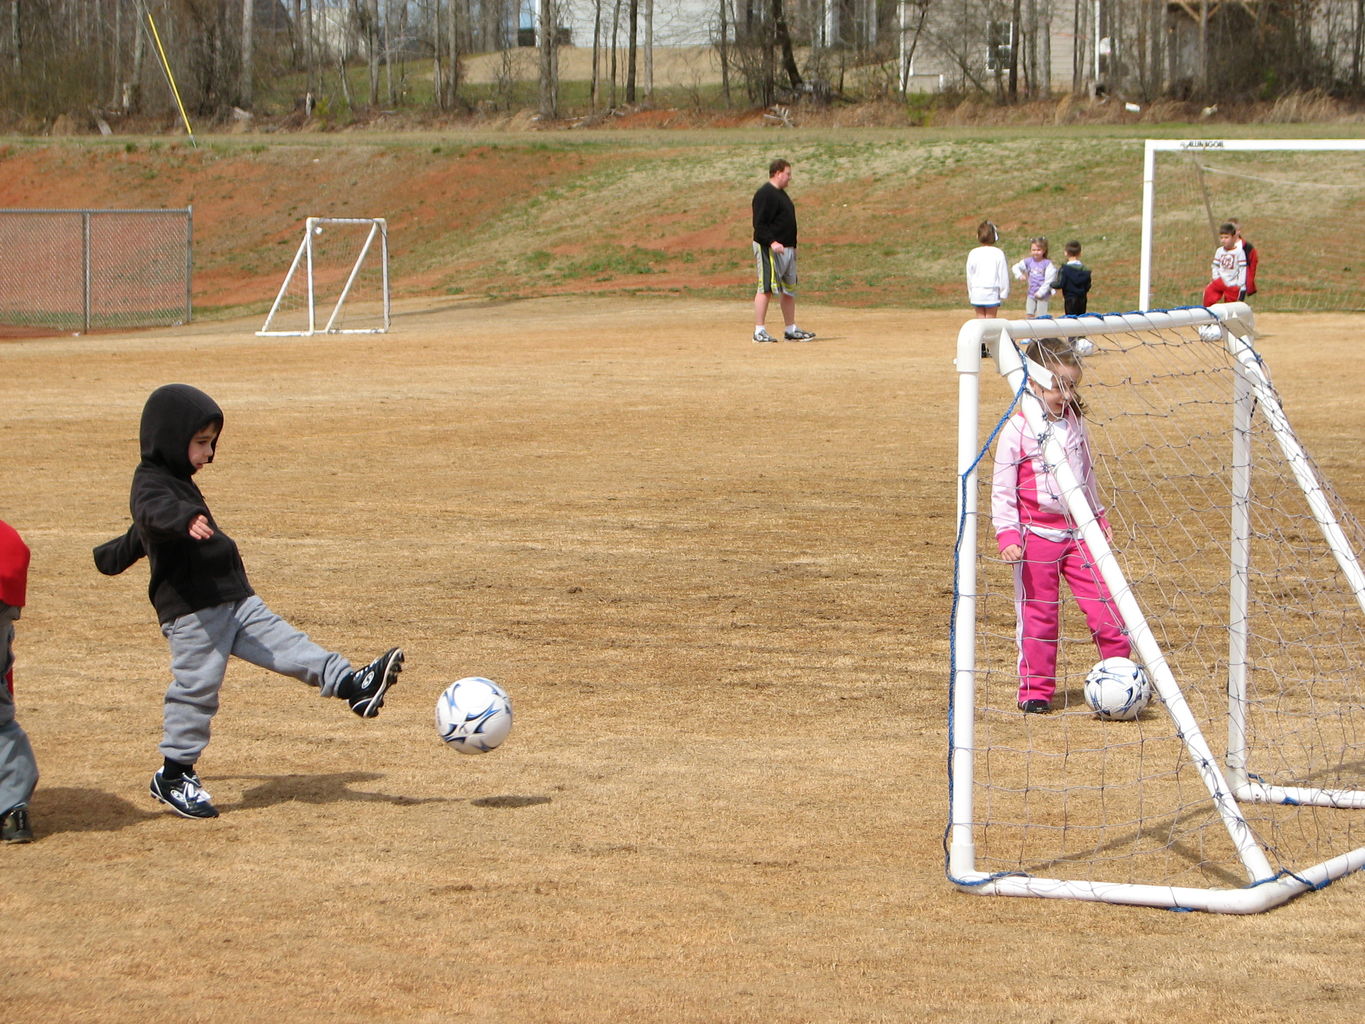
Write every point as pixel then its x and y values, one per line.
pixel 80 270
pixel 1235 568
pixel 338 282
pixel 1301 202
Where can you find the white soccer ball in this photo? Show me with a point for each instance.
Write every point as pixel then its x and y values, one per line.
pixel 473 715
pixel 317 229
pixel 1211 332
pixel 1117 689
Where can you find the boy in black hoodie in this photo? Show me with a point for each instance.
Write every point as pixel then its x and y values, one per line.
pixel 203 599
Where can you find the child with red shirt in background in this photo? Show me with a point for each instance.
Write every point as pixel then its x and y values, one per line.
pixel 18 769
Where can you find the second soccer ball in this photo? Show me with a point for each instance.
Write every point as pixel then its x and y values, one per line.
pixel 1117 689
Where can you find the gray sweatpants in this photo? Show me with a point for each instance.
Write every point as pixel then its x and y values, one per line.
pixel 201 644
pixel 18 768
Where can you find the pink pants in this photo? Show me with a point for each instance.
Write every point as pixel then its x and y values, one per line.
pixel 1037 595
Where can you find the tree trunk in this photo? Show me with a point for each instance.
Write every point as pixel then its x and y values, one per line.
pixel 615 39
pixel 632 53
pixel 784 42
pixel 244 95
pixel 549 84
pixel 372 41
pixel 596 86
pixel 453 54
pixel 1014 52
pixel 725 53
pixel 438 84
pixel 649 48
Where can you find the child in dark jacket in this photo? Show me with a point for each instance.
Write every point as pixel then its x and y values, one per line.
pixel 1073 280
pixel 206 606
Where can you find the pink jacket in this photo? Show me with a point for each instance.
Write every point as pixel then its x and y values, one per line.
pixel 1025 493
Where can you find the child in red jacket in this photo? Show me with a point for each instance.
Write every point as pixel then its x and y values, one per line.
pixel 18 769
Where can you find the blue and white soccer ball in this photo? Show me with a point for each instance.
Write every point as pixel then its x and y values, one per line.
pixel 473 715
pixel 1117 689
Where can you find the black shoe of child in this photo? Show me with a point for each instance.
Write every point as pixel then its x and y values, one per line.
pixel 369 685
pixel 186 796
pixel 1034 707
pixel 14 826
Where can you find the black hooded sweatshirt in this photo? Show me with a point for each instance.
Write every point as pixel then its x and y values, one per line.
pixel 187 574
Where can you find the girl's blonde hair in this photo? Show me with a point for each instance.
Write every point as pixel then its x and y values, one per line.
pixel 1040 241
pixel 1051 353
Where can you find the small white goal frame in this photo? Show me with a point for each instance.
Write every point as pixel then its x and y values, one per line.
pixel 1229 780
pixel 1155 146
pixel 304 264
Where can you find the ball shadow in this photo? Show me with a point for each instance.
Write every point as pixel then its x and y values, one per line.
pixel 509 802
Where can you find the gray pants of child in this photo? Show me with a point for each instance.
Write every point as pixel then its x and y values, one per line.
pixel 201 644
pixel 18 769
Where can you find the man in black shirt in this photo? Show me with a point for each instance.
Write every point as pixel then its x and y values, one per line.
pixel 775 253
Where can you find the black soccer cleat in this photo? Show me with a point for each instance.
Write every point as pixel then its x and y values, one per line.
pixel 369 685
pixel 1035 707
pixel 186 796
pixel 14 826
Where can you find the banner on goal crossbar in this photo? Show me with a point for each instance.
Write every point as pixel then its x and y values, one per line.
pixel 1144 462
pixel 338 282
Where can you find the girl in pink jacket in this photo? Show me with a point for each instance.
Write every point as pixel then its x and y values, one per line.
pixel 1036 534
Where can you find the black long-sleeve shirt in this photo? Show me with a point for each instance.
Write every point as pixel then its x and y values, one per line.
pixel 774 216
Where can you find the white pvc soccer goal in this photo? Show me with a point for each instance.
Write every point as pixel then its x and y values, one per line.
pixel 1234 568
pixel 1300 202
pixel 338 282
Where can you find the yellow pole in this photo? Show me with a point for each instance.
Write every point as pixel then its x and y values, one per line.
pixel 166 66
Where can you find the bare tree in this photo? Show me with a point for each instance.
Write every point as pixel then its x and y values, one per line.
pixel 549 59
pixel 634 16
pixel 248 24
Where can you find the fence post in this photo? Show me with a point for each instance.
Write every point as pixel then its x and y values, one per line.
pixel 85 265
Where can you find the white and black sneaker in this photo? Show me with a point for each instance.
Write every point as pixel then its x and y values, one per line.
pixel 185 795
pixel 796 334
pixel 761 334
pixel 369 685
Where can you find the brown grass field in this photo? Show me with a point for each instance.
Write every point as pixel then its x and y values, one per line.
pixel 715 577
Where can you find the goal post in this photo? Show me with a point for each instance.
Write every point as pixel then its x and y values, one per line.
pixel 338 281
pixel 1301 202
pixel 1234 570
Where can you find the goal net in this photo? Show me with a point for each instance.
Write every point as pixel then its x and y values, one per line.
pixel 1301 204
pixel 338 282
pixel 1233 571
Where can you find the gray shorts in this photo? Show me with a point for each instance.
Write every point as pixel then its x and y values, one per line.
pixel 776 270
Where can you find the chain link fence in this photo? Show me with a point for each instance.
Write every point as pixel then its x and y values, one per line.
pixel 79 270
